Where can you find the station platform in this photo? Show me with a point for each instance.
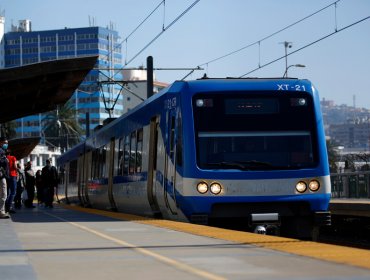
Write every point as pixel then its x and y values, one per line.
pixel 69 242
pixel 350 207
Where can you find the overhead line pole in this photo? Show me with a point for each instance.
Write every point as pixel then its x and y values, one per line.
pixel 308 45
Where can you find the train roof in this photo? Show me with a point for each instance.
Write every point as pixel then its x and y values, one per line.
pixel 258 84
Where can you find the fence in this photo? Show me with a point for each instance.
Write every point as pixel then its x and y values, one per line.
pixel 350 184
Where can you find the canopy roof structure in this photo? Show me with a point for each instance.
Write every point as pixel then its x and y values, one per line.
pixel 38 88
pixel 22 147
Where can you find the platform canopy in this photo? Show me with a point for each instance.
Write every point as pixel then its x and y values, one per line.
pixel 22 147
pixel 40 87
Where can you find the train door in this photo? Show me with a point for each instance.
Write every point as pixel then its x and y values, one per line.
pixel 170 163
pixel 152 164
pixel 111 163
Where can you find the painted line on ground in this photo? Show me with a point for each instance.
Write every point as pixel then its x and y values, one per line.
pixel 176 264
pixel 321 251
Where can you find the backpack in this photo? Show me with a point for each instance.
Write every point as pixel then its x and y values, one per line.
pixel 4 166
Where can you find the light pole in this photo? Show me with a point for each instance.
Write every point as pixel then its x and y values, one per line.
pixel 293 65
pixel 286 46
pixel 59 127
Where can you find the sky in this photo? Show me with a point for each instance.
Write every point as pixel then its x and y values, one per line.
pixel 339 65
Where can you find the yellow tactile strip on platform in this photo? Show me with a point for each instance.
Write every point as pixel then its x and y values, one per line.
pixel 327 252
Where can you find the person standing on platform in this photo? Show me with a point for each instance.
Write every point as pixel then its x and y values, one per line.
pixel 21 183
pixel 30 185
pixel 39 188
pixel 49 177
pixel 4 173
pixel 11 182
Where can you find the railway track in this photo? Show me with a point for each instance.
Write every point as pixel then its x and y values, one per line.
pixel 348 231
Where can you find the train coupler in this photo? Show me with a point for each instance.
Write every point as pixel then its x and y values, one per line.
pixel 265 223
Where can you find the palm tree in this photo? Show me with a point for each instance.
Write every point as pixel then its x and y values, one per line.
pixel 61 128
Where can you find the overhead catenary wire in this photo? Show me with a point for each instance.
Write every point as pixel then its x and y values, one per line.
pixel 141 23
pixel 164 29
pixel 269 36
pixel 305 46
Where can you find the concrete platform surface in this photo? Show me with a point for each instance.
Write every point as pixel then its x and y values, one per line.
pixel 62 243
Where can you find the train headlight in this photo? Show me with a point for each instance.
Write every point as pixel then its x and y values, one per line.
pixel 301 187
pixel 302 101
pixel 314 185
pixel 199 102
pixel 216 188
pixel 202 187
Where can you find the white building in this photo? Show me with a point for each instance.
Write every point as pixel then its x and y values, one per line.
pixel 136 90
pixel 39 155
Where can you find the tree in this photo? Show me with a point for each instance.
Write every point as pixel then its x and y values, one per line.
pixel 364 157
pixel 332 155
pixel 350 162
pixel 61 129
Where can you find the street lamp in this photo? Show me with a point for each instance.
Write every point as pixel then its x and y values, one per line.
pixel 293 65
pixel 59 127
pixel 286 46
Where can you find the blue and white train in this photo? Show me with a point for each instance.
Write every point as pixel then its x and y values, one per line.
pixel 201 151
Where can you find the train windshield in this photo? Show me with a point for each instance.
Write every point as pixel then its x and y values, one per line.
pixel 255 132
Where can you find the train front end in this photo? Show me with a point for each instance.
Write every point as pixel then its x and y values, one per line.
pixel 260 155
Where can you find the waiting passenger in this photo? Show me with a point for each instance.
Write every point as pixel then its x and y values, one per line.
pixel 49 177
pixel 30 185
pixel 21 183
pixel 4 173
pixel 11 182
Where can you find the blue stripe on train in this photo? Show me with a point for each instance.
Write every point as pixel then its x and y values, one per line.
pixel 198 204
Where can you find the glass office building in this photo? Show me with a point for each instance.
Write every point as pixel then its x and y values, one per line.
pixel 23 46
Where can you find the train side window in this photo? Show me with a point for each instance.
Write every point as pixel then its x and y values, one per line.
pixel 120 158
pixel 104 160
pixel 94 165
pixel 61 174
pixel 172 137
pixel 72 171
pixel 179 146
pixel 126 155
pixel 100 162
pixel 132 161
pixel 139 150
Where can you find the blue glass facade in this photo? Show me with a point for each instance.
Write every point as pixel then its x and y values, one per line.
pixel 22 48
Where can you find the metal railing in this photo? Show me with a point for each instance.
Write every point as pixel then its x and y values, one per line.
pixel 350 184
